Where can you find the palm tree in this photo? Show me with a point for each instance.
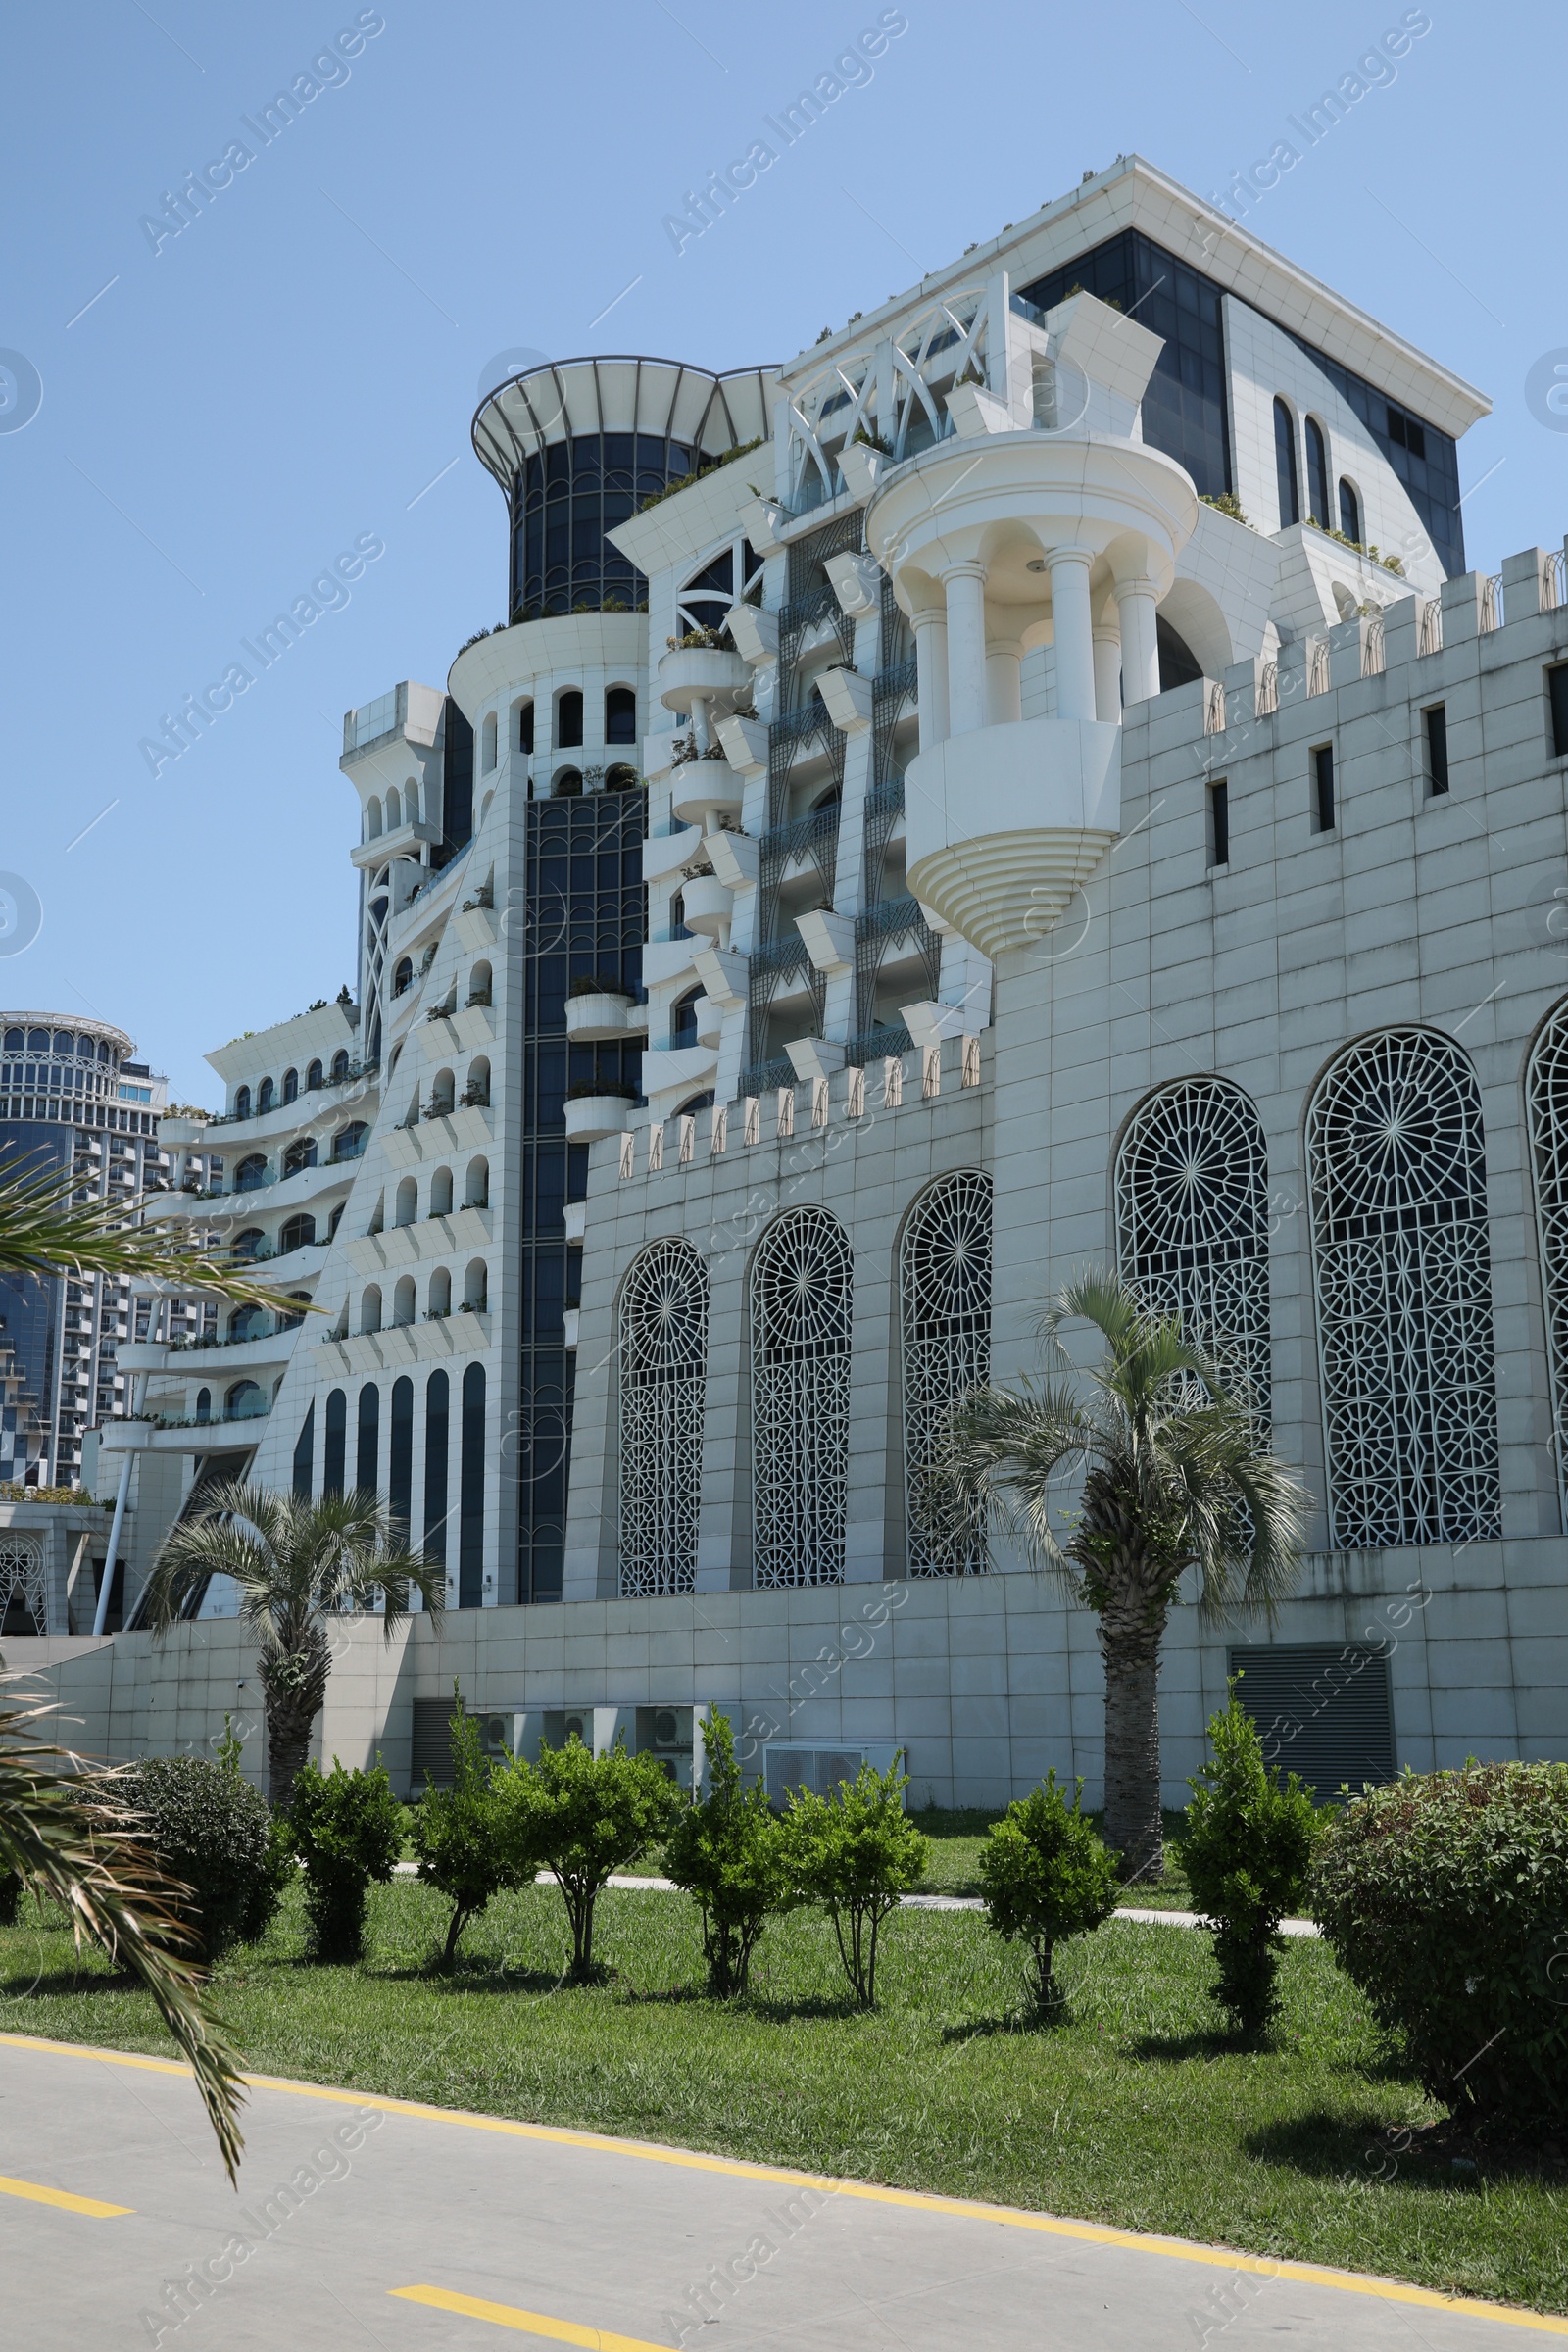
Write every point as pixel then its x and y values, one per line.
pixel 295 1563
pixel 1176 1475
pixel 65 1834
pixel 62 1831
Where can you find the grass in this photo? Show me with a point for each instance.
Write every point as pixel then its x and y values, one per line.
pixel 1137 2111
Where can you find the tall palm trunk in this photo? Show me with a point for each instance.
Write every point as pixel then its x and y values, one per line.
pixel 1129 1642
pixel 294 1686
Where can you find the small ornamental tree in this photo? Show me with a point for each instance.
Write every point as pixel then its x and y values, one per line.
pixel 582 1817
pixel 855 1853
pixel 456 1833
pixel 11 1893
pixel 727 1850
pixel 1247 1851
pixel 212 1833
pixel 348 1831
pixel 1045 1874
pixel 1445 1895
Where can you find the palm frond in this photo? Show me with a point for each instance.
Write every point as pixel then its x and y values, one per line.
pixel 67 1838
pixel 45 1230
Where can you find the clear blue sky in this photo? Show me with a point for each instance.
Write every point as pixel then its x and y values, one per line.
pixel 290 371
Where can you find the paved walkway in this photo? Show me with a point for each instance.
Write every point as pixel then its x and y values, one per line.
pixel 378 2223
pixel 926 1902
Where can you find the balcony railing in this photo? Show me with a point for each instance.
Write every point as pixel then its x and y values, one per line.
pixel 784 955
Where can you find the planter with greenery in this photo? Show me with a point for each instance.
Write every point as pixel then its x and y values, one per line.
pixel 1046 1875
pixel 1176 1478
pixel 1248 1854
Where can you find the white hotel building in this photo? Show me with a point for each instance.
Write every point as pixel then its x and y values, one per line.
pixel 1074 843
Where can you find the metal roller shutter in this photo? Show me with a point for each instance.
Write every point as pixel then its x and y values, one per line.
pixel 1324 1709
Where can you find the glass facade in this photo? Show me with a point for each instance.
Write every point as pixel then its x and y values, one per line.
pixel 584 915
pixel 1185 409
pixel 563 499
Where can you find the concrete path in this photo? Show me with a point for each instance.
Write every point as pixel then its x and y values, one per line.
pixel 378 2223
pixel 924 1902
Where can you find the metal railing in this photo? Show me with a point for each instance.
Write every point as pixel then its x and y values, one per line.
pixel 1374 650
pixel 784 955
pixel 878 1043
pixel 1268 691
pixel 1429 635
pixel 794 838
pixel 1554 581
pixel 888 919
pixel 762 1077
pixel 886 800
pixel 1492 603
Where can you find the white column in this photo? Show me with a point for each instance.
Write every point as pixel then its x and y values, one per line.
pixel 1140 645
pixel 700 734
pixel 1003 681
pixel 931 659
pixel 1073 629
pixel 965 586
pixel 1107 673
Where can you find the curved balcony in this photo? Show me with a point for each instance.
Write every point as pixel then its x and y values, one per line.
pixel 591 1118
pixel 709 905
pixel 597 1019
pixel 691 675
pixel 702 792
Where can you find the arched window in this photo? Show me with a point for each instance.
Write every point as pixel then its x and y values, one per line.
pixel 1285 466
pixel 1547 1090
pixel 340 1065
pixel 402 975
pixel 678 916
pixel 443 1095
pixel 479 984
pixel 1350 512
pixel 476 1187
pixel 372 818
pixel 524 727
pixel 568 719
pixel 620 716
pixel 403 1299
pixel 1317 475
pixel 488 739
pixel 295 1232
pixel 408 1202
pixel 394 809
pixel 247 1322
pixel 944 1311
pixel 1398 1176
pixel 291 1086
pixel 477 1287
pixel 265 1098
pixel 246 1248
pixel 245 1400
pixel 663 1364
pixel 300 1153
pixel 441 1193
pixel 568 784
pixel 440 1295
pixel 204 1405
pixel 621 778
pixel 683 1020
pixel 476 1086
pixel 1191 1224
pixel 242 1104
pixel 251 1172
pixel 370 1308
pixel 312 1077
pixel 800 1318
pixel 349 1142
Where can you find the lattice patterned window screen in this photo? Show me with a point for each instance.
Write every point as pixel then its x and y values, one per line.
pixel 23 1577
pixel 1191 1224
pixel 663 1363
pixel 1549 1148
pixel 1398 1176
pixel 801 1293
pixel 944 1306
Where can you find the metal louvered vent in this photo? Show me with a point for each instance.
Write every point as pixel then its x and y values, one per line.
pixel 1324 1709
pixel 430 1763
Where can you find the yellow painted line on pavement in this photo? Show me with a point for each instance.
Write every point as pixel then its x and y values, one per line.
pixel 526 2323
pixel 37 2195
pixel 1007 2217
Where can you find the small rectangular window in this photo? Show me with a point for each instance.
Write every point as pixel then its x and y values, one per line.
pixel 1557 683
pixel 1323 788
pixel 1219 823
pixel 1437 726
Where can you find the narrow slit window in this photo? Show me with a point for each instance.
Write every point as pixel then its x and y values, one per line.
pixel 1323 788
pixel 1558 685
pixel 1437 726
pixel 1219 823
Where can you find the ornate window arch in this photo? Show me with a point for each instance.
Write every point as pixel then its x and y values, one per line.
pixel 1546 1090
pixel 1192 1223
pixel 945 1324
pixel 664 1368
pixel 801 1291
pixel 24 1576
pixel 1396 1173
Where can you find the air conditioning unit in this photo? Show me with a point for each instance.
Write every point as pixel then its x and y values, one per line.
pixel 819 1765
pixel 670 1733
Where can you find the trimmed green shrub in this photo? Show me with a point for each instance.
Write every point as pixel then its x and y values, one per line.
pixel 1047 1873
pixel 855 1853
pixel 727 1851
pixel 348 1831
pixel 582 1816
pixel 212 1832
pixel 11 1892
pixel 1445 1895
pixel 456 1833
pixel 1246 1853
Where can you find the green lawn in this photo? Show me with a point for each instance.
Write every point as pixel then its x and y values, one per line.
pixel 1136 2112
